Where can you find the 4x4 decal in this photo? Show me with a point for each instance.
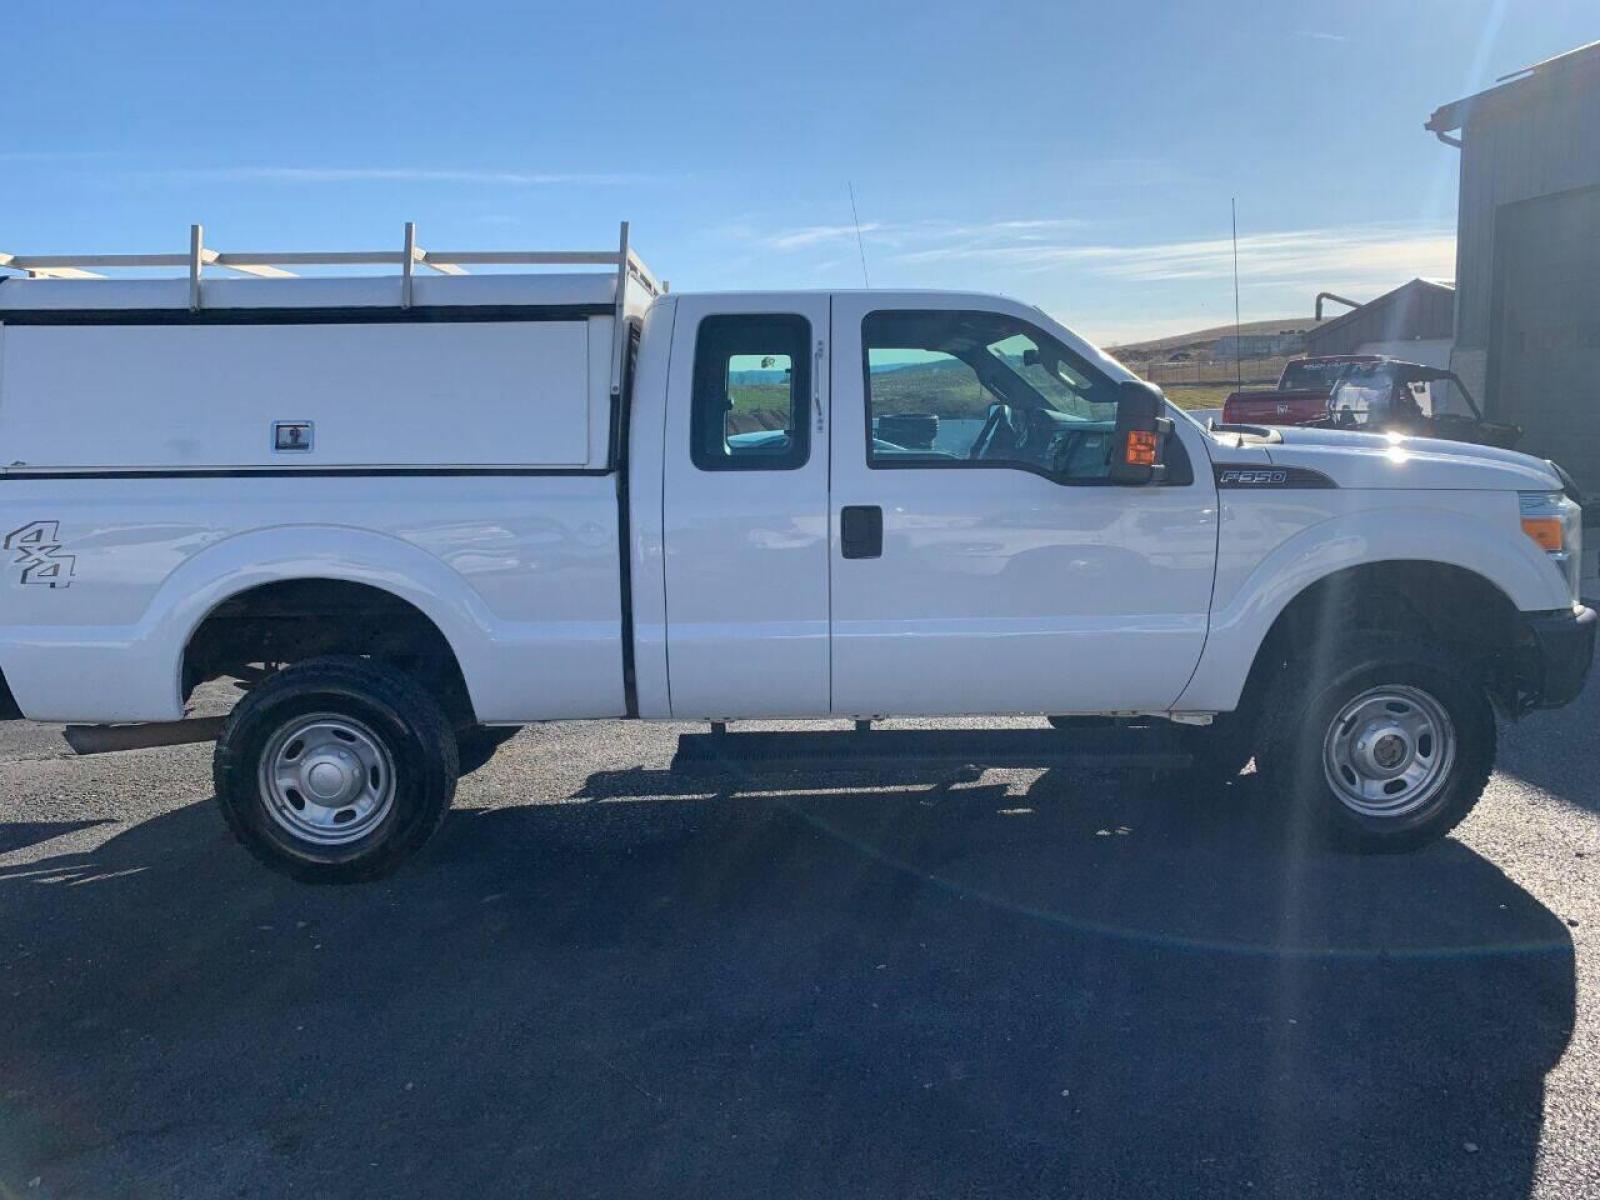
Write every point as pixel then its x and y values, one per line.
pixel 37 546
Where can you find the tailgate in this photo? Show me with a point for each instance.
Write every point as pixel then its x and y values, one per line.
pixel 1272 407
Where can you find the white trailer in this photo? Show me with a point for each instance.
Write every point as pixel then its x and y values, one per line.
pixel 415 505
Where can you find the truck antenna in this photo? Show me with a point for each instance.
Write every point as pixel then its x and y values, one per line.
pixel 1238 340
pixel 860 245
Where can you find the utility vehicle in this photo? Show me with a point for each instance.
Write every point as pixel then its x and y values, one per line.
pixel 416 506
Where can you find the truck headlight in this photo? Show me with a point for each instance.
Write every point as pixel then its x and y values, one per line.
pixel 1556 523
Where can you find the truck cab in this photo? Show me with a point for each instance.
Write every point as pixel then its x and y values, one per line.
pixel 934 496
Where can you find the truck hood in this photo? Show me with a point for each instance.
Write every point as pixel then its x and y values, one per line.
pixel 1383 460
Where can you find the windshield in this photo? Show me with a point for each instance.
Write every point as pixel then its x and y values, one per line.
pixel 1372 394
pixel 1361 402
pixel 1043 368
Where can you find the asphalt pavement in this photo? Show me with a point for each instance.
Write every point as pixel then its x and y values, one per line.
pixel 609 979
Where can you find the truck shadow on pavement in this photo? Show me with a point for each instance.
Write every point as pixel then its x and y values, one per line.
pixel 18 835
pixel 1540 753
pixel 902 984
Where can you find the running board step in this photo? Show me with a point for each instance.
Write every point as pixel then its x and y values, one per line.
pixel 1103 749
pixel 106 739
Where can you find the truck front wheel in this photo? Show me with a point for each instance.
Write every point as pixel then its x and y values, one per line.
pixel 336 769
pixel 1384 743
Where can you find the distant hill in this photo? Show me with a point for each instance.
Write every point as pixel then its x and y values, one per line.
pixel 1159 349
pixel 938 364
pixel 945 386
pixel 756 378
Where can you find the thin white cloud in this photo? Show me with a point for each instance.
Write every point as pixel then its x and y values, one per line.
pixel 814 235
pixel 1307 255
pixel 1319 35
pixel 1050 259
pixel 900 236
pixel 333 175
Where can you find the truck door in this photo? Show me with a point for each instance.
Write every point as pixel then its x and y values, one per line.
pixel 745 507
pixel 983 562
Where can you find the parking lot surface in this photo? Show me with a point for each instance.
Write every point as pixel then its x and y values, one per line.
pixel 607 979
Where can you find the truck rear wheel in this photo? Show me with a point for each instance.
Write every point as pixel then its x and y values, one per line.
pixel 1386 747
pixel 335 770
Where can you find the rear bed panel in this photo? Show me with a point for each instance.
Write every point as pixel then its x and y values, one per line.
pixel 520 572
pixel 1274 407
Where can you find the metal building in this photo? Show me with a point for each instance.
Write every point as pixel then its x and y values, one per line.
pixel 1415 321
pixel 1527 334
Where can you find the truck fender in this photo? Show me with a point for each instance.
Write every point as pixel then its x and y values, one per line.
pixel 1240 624
pixel 287 552
pixel 48 669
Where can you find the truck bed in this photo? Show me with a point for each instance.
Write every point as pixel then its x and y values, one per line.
pixel 459 453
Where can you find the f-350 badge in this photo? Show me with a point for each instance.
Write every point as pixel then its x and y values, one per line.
pixel 37 546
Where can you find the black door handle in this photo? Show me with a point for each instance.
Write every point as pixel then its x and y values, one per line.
pixel 861 531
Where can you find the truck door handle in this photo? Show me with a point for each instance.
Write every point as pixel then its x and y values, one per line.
pixel 861 531
pixel 816 382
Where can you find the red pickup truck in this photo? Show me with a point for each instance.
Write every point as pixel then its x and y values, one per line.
pixel 1301 395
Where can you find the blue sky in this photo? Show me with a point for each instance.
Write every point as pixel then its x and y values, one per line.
pixel 1080 156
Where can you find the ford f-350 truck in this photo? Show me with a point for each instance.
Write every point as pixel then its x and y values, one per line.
pixel 411 507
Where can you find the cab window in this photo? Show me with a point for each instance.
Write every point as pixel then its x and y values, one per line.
pixel 966 389
pixel 752 387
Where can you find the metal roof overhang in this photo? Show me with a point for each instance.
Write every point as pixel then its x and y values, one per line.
pixel 1579 64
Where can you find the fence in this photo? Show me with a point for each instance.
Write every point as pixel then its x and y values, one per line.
pixel 1252 371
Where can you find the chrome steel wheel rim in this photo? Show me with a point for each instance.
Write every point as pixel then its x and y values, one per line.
pixel 327 779
pixel 1389 751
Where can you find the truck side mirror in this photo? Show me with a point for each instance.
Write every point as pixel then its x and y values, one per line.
pixel 1139 451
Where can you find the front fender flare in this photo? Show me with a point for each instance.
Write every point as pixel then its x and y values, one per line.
pixel 1433 534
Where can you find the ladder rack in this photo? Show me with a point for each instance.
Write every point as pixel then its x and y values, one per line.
pixel 273 265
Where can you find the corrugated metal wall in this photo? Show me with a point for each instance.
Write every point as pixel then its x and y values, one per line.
pixel 1544 363
pixel 1410 312
pixel 1544 138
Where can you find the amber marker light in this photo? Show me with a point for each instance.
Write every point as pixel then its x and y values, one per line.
pixel 1546 531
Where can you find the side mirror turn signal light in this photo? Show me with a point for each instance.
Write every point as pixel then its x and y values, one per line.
pixel 1141 449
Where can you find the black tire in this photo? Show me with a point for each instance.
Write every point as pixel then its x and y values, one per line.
pixel 1306 699
pixel 404 722
pixel 476 744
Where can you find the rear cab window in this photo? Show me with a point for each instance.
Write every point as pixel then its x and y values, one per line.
pixel 752 385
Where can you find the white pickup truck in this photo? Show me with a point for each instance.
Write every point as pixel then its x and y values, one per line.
pixel 412 506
